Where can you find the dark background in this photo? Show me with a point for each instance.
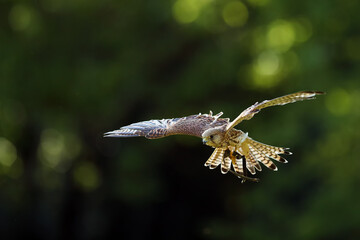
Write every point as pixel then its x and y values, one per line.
pixel 71 70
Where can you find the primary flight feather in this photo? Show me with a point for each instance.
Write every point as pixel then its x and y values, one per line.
pixel 232 147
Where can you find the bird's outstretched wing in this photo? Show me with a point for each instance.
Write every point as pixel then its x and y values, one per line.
pixel 252 110
pixel 193 125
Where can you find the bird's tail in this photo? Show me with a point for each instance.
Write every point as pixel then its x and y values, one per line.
pixel 226 158
pixel 216 158
pixel 246 157
pixel 255 152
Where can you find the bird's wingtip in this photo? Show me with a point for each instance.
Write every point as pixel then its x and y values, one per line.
pixel 319 92
pixel 123 133
pixel 111 134
pixel 315 92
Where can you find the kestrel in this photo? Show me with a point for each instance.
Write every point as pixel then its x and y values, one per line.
pixel 232 147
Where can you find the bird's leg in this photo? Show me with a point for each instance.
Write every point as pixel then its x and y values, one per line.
pixel 243 177
pixel 244 167
pixel 239 175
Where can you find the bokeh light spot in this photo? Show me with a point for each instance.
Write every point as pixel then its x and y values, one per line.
pixel 52 147
pixel 20 17
pixel 267 63
pixel 266 70
pixel 58 149
pixel 186 11
pixel 8 153
pixel 269 81
pixel 235 14
pixel 86 176
pixel 338 101
pixel 281 35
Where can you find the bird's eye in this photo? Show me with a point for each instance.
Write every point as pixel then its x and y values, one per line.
pixel 211 136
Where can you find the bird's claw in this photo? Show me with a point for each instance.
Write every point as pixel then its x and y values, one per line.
pixel 244 178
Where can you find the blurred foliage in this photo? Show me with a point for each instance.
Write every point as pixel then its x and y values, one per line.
pixel 72 70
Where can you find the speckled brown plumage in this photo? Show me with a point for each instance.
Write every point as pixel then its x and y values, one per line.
pixel 232 147
pixel 193 125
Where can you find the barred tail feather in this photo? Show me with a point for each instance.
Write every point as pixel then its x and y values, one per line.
pixel 211 158
pixel 252 159
pixel 216 158
pixel 227 157
pixel 226 165
pixel 250 166
pixel 265 147
pixel 270 151
pixel 247 156
pixel 259 156
pixel 274 156
pixel 238 165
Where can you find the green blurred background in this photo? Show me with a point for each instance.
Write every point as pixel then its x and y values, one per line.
pixel 71 70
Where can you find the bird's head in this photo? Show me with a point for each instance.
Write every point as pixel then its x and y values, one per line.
pixel 213 137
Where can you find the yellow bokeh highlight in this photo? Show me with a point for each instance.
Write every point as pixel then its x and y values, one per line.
pixel 235 14
pixel 268 63
pixel 186 11
pixel 86 176
pixel 266 70
pixel 269 81
pixel 52 147
pixel 57 149
pixel 280 35
pixel 8 153
pixel 21 17
pixel 338 101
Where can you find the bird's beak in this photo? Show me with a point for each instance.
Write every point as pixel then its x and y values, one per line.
pixel 204 141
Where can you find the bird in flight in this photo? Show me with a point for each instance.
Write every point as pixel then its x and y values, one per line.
pixel 233 147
